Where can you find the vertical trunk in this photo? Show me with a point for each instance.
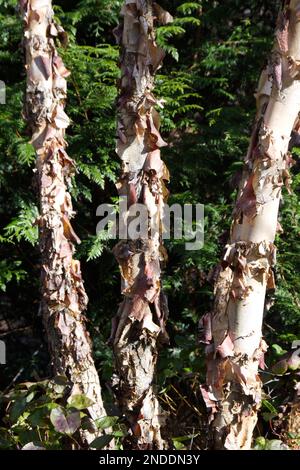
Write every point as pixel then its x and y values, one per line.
pixel 233 389
pixel 63 295
pixel 139 326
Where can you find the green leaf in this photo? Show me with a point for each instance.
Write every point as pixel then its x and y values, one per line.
pixel 80 402
pixel 268 416
pixel 88 424
pixel 106 422
pixel 178 445
pixel 59 384
pixel 278 349
pixel 119 433
pixel 17 409
pixel 267 404
pixel 280 367
pixel 39 417
pixel 101 442
pixel 260 443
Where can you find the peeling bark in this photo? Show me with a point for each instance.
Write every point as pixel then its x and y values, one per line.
pixel 139 326
pixel 63 296
pixel 233 388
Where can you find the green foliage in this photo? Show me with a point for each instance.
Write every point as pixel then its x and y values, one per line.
pixel 187 8
pixel 23 227
pixel 287 305
pixel 37 415
pixel 265 444
pixel 95 244
pixel 9 272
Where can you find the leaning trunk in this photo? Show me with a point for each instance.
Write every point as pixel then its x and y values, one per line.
pixel 236 349
pixel 63 295
pixel 139 326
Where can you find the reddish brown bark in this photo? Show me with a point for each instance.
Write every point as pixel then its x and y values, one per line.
pixel 63 296
pixel 140 322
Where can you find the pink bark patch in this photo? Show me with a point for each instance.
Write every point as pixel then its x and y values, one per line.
pixel 247 202
pixel 226 349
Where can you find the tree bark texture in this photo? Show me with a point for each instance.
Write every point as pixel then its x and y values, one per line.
pixel 63 296
pixel 233 330
pixel 139 326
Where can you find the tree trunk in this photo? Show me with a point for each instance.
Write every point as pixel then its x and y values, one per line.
pixel 139 326
pixel 63 296
pixel 233 388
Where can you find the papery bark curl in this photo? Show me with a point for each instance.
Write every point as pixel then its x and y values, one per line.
pixel 63 295
pixel 139 326
pixel 233 388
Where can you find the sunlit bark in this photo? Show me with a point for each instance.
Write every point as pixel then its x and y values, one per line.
pixel 236 349
pixel 63 296
pixel 139 326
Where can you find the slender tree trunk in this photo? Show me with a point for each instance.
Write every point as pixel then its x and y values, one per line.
pixel 63 296
pixel 233 389
pixel 139 326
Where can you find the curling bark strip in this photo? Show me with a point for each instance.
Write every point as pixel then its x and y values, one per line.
pixel 139 326
pixel 233 330
pixel 63 296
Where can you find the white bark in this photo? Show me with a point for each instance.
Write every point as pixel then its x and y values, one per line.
pixel 233 389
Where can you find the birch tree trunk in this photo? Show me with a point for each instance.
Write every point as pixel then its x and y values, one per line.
pixel 63 296
pixel 236 347
pixel 139 326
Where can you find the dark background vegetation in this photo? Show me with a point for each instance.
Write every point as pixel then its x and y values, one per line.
pixel 215 51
